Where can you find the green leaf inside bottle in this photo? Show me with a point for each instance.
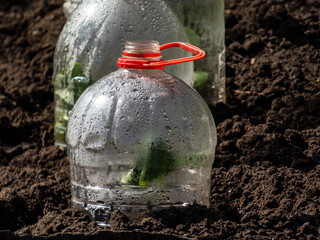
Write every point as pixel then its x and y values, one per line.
pixel 67 92
pixel 154 163
pixel 200 79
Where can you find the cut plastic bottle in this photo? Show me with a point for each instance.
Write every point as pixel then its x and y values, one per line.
pixel 204 24
pixel 140 139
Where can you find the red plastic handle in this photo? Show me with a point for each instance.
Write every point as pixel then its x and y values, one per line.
pixel 185 46
pixel 137 63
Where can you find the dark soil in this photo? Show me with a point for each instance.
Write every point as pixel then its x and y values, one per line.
pixel 266 176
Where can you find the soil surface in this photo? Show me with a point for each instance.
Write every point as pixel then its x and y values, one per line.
pixel 266 176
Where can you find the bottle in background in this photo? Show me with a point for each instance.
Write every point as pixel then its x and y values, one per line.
pixel 204 25
pixel 203 22
pixel 91 42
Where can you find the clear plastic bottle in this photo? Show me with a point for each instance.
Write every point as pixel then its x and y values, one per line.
pixel 203 21
pixel 91 42
pixel 204 24
pixel 140 139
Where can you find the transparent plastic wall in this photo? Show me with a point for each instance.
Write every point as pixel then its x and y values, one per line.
pixel 204 24
pixel 69 6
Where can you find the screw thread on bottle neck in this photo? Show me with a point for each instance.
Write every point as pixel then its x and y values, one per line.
pixel 143 47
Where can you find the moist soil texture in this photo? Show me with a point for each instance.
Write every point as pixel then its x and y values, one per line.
pixel 266 175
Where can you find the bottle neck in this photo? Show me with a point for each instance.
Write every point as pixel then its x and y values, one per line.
pixel 142 50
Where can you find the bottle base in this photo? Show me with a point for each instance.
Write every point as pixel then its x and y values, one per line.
pixel 135 203
pixel 101 214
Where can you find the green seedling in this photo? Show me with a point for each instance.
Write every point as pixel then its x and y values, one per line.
pixel 154 163
pixel 200 79
pixel 194 38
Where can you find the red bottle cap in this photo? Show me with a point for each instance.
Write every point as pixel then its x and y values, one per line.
pixel 132 61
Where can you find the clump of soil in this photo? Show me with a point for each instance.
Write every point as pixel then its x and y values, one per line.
pixel 265 179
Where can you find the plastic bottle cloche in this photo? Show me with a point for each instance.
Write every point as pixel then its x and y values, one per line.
pixel 140 139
